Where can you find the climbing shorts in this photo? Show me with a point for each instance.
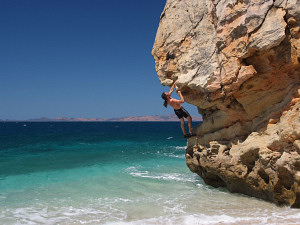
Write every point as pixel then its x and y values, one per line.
pixel 181 112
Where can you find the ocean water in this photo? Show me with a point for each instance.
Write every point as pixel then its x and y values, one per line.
pixel 113 173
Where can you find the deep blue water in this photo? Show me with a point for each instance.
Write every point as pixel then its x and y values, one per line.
pixel 112 172
pixel 35 147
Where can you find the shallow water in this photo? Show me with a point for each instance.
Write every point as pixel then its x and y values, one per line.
pixel 113 173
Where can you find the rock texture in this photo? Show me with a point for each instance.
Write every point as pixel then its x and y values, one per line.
pixel 238 61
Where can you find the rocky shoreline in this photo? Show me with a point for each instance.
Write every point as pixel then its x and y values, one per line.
pixel 238 61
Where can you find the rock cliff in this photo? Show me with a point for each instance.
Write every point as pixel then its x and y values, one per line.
pixel 238 61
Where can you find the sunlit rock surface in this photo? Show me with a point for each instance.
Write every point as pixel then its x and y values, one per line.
pixel 239 62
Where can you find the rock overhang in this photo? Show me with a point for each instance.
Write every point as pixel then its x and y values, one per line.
pixel 238 62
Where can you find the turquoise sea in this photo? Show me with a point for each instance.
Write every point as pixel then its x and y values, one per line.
pixel 113 173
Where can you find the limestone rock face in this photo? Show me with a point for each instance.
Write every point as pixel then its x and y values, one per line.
pixel 238 61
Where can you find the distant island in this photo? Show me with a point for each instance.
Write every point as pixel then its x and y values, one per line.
pixel 166 118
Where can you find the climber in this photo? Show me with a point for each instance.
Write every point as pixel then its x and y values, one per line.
pixel 178 109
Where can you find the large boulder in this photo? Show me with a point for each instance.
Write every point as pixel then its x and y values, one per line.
pixel 238 61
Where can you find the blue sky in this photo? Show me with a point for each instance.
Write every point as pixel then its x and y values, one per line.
pixel 88 58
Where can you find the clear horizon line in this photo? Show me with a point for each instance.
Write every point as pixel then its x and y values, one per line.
pixel 66 118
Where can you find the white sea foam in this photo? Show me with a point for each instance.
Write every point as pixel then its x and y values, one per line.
pixel 112 216
pixel 126 211
pixel 172 155
pixel 64 215
pixel 169 138
pixel 160 176
pixel 202 219
pixel 177 152
pixel 180 147
pixel 174 208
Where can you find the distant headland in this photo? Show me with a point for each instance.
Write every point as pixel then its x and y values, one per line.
pixel 154 118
